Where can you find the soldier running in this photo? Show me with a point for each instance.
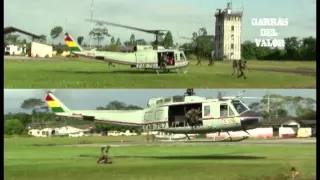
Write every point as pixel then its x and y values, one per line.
pixel 235 66
pixel 104 159
pixel 211 60
pixel 242 66
pixel 111 64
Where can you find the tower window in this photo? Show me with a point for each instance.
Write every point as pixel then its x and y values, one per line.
pixel 232 28
pixel 232 46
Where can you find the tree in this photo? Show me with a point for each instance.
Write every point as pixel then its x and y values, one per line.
pixel 24 118
pixel 132 40
pixel 308 48
pixel 248 50
pixel 168 40
pixel 12 39
pixel 295 49
pixel 141 42
pixel 99 33
pixel 280 106
pixel 43 38
pixel 115 105
pixel 127 43
pixel 113 41
pixel 13 127
pixel 118 42
pixel 80 40
pixel 202 44
pixel 34 105
pixel 56 32
pixel 292 45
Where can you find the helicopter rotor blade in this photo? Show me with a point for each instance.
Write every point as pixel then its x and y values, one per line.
pixel 245 97
pixel 158 32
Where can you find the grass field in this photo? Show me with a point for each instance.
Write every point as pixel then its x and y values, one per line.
pixel 22 161
pixel 94 74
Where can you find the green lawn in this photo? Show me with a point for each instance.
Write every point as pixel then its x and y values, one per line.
pixel 94 74
pixel 236 161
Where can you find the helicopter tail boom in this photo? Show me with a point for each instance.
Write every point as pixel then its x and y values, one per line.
pixel 55 104
pixel 72 45
pixel 120 117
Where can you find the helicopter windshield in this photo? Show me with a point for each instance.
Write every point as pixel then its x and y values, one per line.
pixel 182 57
pixel 239 106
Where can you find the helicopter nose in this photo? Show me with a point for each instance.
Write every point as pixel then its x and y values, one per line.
pixel 250 120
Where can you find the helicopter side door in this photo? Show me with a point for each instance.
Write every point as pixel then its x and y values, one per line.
pixel 160 119
pixel 140 57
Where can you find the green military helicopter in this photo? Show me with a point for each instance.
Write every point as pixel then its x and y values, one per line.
pixel 145 57
pixel 221 114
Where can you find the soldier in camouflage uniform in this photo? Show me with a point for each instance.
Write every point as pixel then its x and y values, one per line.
pixel 165 60
pixel 211 60
pixel 193 117
pixel 235 66
pixel 111 64
pixel 242 66
pixel 104 159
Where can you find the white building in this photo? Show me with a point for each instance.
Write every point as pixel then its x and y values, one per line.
pixel 62 131
pixel 41 50
pixel 15 50
pixel 228 34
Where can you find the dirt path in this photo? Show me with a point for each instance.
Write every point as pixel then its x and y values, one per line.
pixel 204 142
pixel 305 72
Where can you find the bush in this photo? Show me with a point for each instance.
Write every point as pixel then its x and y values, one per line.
pixel 13 127
pixel 59 49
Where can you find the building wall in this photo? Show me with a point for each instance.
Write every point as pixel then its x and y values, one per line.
pixel 254 133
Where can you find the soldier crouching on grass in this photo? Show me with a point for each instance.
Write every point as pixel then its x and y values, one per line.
pixel 104 159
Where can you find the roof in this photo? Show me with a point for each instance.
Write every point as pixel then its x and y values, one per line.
pixel 11 29
pixel 307 122
pixel 279 121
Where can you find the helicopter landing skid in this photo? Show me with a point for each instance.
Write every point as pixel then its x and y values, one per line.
pixel 188 137
pixel 183 70
pixel 232 140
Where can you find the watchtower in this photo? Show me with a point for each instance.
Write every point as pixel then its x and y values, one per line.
pixel 228 33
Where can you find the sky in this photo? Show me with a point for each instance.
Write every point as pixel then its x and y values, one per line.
pixel 179 16
pixel 89 99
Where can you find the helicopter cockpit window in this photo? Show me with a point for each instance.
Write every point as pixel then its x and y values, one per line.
pixel 160 101
pixel 182 57
pixel 239 106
